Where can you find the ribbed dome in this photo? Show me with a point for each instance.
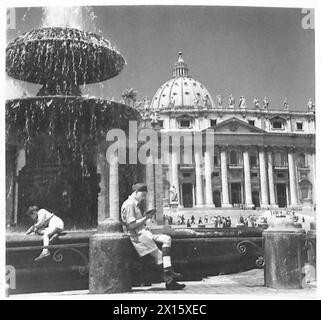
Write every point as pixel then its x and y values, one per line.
pixel 181 91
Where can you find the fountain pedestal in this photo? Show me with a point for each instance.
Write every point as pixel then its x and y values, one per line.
pixel 61 132
pixel 109 259
pixel 283 251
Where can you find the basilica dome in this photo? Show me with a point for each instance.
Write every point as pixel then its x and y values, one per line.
pixel 182 91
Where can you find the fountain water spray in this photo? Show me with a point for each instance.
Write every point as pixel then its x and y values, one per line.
pixel 77 17
pixel 60 129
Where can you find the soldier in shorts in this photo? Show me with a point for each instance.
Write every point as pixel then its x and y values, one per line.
pixel 143 240
pixel 47 224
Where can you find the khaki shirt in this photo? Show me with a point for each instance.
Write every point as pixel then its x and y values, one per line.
pixel 141 238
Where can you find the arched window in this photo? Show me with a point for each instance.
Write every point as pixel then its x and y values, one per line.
pixel 233 157
pixel 305 188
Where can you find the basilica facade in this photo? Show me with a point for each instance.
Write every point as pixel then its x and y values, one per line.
pixel 262 158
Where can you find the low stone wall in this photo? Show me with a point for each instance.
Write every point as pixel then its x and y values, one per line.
pixel 196 253
pixel 65 269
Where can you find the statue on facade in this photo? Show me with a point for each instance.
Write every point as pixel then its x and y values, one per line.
pixel 231 100
pixel 265 103
pixel 242 102
pixel 146 103
pixel 285 104
pixel 256 103
pixel 219 100
pixel 145 115
pixel 310 105
pixel 196 100
pixel 206 101
pixel 173 194
pixel 154 117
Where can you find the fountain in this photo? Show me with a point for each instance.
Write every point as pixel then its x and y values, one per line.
pixel 59 129
pixel 63 136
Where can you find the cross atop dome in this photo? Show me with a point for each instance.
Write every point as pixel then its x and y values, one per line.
pixel 180 68
pixel 180 57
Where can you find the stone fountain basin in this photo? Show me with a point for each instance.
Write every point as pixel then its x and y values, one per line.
pixel 31 115
pixel 52 54
pixel 197 253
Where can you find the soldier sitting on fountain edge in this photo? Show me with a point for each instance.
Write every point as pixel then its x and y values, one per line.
pixel 143 240
pixel 46 224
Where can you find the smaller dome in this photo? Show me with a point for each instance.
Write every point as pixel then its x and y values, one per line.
pixel 182 91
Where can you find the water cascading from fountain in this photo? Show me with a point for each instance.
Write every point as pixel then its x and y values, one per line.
pixel 60 129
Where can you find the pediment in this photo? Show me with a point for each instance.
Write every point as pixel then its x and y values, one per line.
pixel 235 125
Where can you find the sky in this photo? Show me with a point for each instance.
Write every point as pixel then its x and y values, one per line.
pixel 249 51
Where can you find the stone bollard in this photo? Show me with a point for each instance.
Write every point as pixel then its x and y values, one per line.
pixel 109 259
pixel 283 253
pixel 311 253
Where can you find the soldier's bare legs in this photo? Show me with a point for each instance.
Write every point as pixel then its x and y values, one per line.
pixel 164 257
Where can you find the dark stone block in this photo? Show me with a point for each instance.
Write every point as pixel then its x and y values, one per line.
pixel 109 263
pixel 284 259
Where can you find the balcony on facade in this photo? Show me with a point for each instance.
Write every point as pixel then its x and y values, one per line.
pixel 283 166
pixel 186 166
pixel 235 166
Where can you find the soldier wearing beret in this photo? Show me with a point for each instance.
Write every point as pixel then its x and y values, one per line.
pixel 143 240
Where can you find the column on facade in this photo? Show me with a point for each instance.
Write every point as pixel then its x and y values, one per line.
pixel 271 179
pixel 292 178
pixel 314 177
pixel 208 179
pixel 113 188
pixel 198 175
pixel 197 123
pixel 159 192
pixel 103 196
pixel 263 179
pixel 225 193
pixel 247 179
pixel 172 123
pixel 21 162
pixel 150 197
pixel 175 179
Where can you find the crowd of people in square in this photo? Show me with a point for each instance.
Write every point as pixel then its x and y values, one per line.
pixel 216 221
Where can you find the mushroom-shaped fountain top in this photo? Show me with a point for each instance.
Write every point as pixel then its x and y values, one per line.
pixel 52 56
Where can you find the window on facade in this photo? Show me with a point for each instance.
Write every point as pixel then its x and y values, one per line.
pixel 301 160
pixel 161 123
pixel 186 175
pixel 277 125
pixel 251 122
pixel 213 122
pixel 185 123
pixel 280 175
pixel 253 174
pixel 303 175
pixel 215 174
pixel 299 126
pixel 305 192
pixel 253 160
pixel 279 159
pixel 233 157
pixel 215 160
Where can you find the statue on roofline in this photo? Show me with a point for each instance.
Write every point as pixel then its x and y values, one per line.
pixel 231 100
